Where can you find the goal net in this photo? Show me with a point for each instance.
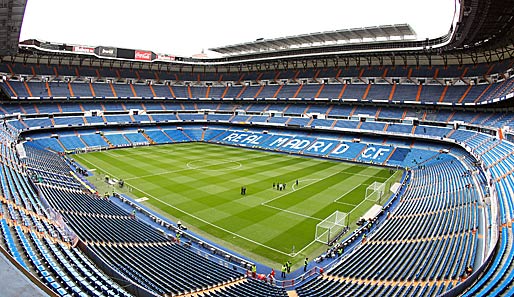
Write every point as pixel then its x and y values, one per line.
pixel 331 227
pixel 375 191
pixel 89 149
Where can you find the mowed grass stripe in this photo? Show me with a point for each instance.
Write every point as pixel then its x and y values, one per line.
pixel 195 183
pixel 172 162
pixel 226 200
pixel 118 165
pixel 209 188
pixel 195 205
pixel 325 189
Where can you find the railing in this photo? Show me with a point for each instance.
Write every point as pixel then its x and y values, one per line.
pixel 242 264
pixel 494 240
pixel 200 246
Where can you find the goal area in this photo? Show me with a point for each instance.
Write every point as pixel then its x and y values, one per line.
pixel 331 227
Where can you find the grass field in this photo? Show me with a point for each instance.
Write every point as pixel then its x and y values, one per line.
pixel 199 184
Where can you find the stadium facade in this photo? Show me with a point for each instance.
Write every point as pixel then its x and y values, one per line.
pixel 439 108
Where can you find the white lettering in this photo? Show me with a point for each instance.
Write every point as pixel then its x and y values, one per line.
pixel 374 153
pixel 231 137
pixel 380 152
pixel 316 146
pixel 366 153
pixel 252 139
pixel 143 55
pixel 340 149
pixel 83 49
pixel 239 137
pixel 320 145
pixel 326 147
pixel 291 143
pixel 301 145
pixel 279 141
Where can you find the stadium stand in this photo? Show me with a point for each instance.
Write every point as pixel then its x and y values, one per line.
pixel 441 110
pixel 411 254
pixel 73 210
pixel 457 94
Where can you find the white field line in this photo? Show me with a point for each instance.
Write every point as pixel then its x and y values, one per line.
pixel 263 203
pixel 347 192
pixel 303 180
pixel 303 249
pixel 315 181
pixel 188 167
pixel 299 188
pixel 309 217
pixel 355 206
pixel 344 203
pixel 198 218
pixel 211 224
pixel 128 153
pixel 110 152
pixel 292 212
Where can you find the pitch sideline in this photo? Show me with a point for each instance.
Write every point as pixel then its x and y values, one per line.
pixel 200 219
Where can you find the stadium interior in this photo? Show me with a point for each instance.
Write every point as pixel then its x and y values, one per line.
pixel 438 109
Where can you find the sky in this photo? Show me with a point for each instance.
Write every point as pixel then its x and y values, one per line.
pixel 185 28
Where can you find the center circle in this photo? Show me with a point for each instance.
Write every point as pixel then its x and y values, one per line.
pixel 204 164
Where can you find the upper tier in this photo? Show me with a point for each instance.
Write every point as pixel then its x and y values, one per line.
pixel 457 94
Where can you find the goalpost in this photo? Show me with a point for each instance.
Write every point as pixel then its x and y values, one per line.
pixel 331 227
pixel 89 149
pixel 375 192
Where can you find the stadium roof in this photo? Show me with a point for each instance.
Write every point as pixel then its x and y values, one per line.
pixel 367 34
pixel 481 31
pixel 11 17
pixel 488 24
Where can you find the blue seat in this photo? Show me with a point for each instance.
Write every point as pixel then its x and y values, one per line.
pixel 62 292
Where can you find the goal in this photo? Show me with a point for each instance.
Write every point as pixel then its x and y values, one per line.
pixel 89 149
pixel 331 227
pixel 375 192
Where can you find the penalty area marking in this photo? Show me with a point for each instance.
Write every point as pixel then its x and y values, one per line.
pixel 315 181
pixel 344 203
pixel 211 224
pixel 191 165
pixel 304 180
pixel 202 220
pixel 292 212
pixel 347 192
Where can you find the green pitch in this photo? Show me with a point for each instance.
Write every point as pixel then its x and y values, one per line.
pixel 200 184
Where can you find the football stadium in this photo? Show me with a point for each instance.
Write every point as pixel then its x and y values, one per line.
pixel 360 161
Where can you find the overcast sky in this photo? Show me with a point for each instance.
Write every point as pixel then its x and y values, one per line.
pixel 186 27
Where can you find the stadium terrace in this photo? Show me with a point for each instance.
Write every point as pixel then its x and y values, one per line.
pixel 354 162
